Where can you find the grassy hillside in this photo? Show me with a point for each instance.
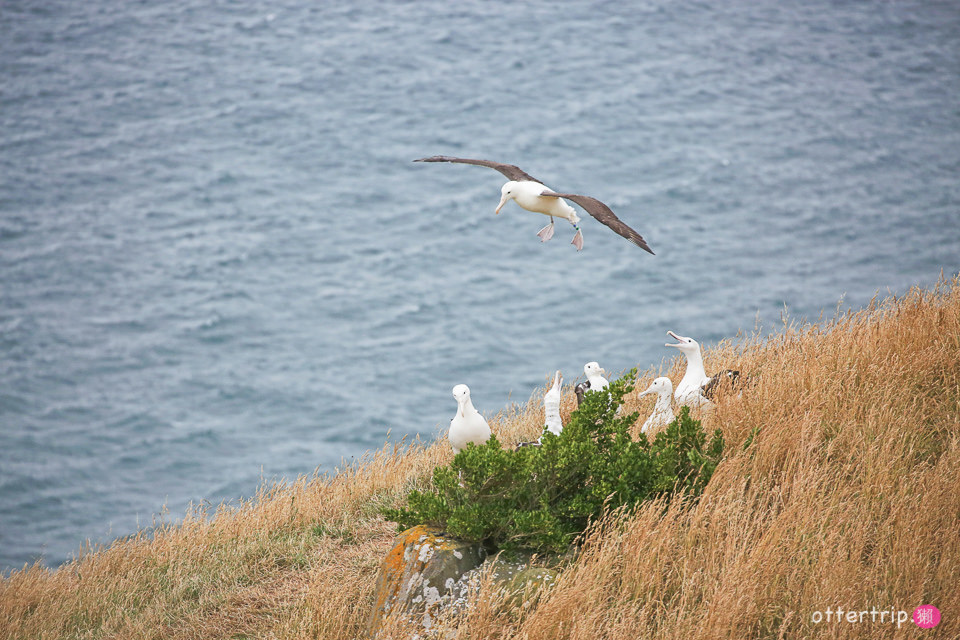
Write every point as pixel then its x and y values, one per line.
pixel 847 495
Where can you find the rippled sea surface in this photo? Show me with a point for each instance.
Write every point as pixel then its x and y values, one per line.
pixel 219 267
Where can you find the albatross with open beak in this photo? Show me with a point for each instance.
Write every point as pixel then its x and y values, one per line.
pixel 689 391
pixel 551 406
pixel 696 389
pixel 532 195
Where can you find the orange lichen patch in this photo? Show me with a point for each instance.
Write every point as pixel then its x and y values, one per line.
pixel 394 569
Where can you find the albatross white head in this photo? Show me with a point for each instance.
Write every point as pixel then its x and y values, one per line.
pixel 593 369
pixel 507 193
pixel 557 383
pixel 660 386
pixel 685 345
pixel 461 393
pixel 595 376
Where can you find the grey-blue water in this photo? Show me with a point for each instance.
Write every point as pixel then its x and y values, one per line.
pixel 219 265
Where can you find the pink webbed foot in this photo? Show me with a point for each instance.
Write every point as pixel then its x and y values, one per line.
pixel 578 240
pixel 546 233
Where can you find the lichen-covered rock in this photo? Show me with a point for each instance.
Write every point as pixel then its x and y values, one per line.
pixel 422 571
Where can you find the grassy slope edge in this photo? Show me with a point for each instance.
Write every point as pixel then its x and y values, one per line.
pixel 847 495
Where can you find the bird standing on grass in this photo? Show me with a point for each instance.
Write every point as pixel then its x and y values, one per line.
pixel 696 389
pixel 594 382
pixel 690 390
pixel 551 412
pixel 467 425
pixel 662 412
pixel 532 195
pixel 551 406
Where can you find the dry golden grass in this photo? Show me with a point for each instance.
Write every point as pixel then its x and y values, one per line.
pixel 848 496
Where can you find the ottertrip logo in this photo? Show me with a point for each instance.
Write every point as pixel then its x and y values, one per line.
pixel 925 616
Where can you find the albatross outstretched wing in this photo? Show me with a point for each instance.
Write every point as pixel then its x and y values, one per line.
pixel 603 213
pixel 510 171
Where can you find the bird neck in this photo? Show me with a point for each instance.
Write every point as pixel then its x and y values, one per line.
pixel 663 402
pixel 695 369
pixel 467 408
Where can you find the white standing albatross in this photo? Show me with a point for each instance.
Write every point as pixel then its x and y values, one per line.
pixel 551 406
pixel 662 412
pixel 533 195
pixel 467 425
pixel 551 412
pixel 594 382
pixel 696 389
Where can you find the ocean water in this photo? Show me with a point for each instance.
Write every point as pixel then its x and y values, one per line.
pixel 219 266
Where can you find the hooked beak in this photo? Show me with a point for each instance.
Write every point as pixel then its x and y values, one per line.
pixel 503 201
pixel 645 393
pixel 675 337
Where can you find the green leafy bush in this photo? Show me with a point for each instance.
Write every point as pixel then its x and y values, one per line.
pixel 542 497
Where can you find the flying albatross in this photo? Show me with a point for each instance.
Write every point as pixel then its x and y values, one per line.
pixel 532 195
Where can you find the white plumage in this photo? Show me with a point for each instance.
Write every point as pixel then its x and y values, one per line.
pixel 662 412
pixel 551 406
pixel 467 425
pixel 690 390
pixel 533 195
pixel 595 376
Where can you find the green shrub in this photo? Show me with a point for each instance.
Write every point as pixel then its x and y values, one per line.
pixel 543 497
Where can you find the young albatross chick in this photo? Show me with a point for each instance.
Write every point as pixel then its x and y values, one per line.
pixel 532 195
pixel 662 412
pixel 594 382
pixel 696 389
pixel 467 425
